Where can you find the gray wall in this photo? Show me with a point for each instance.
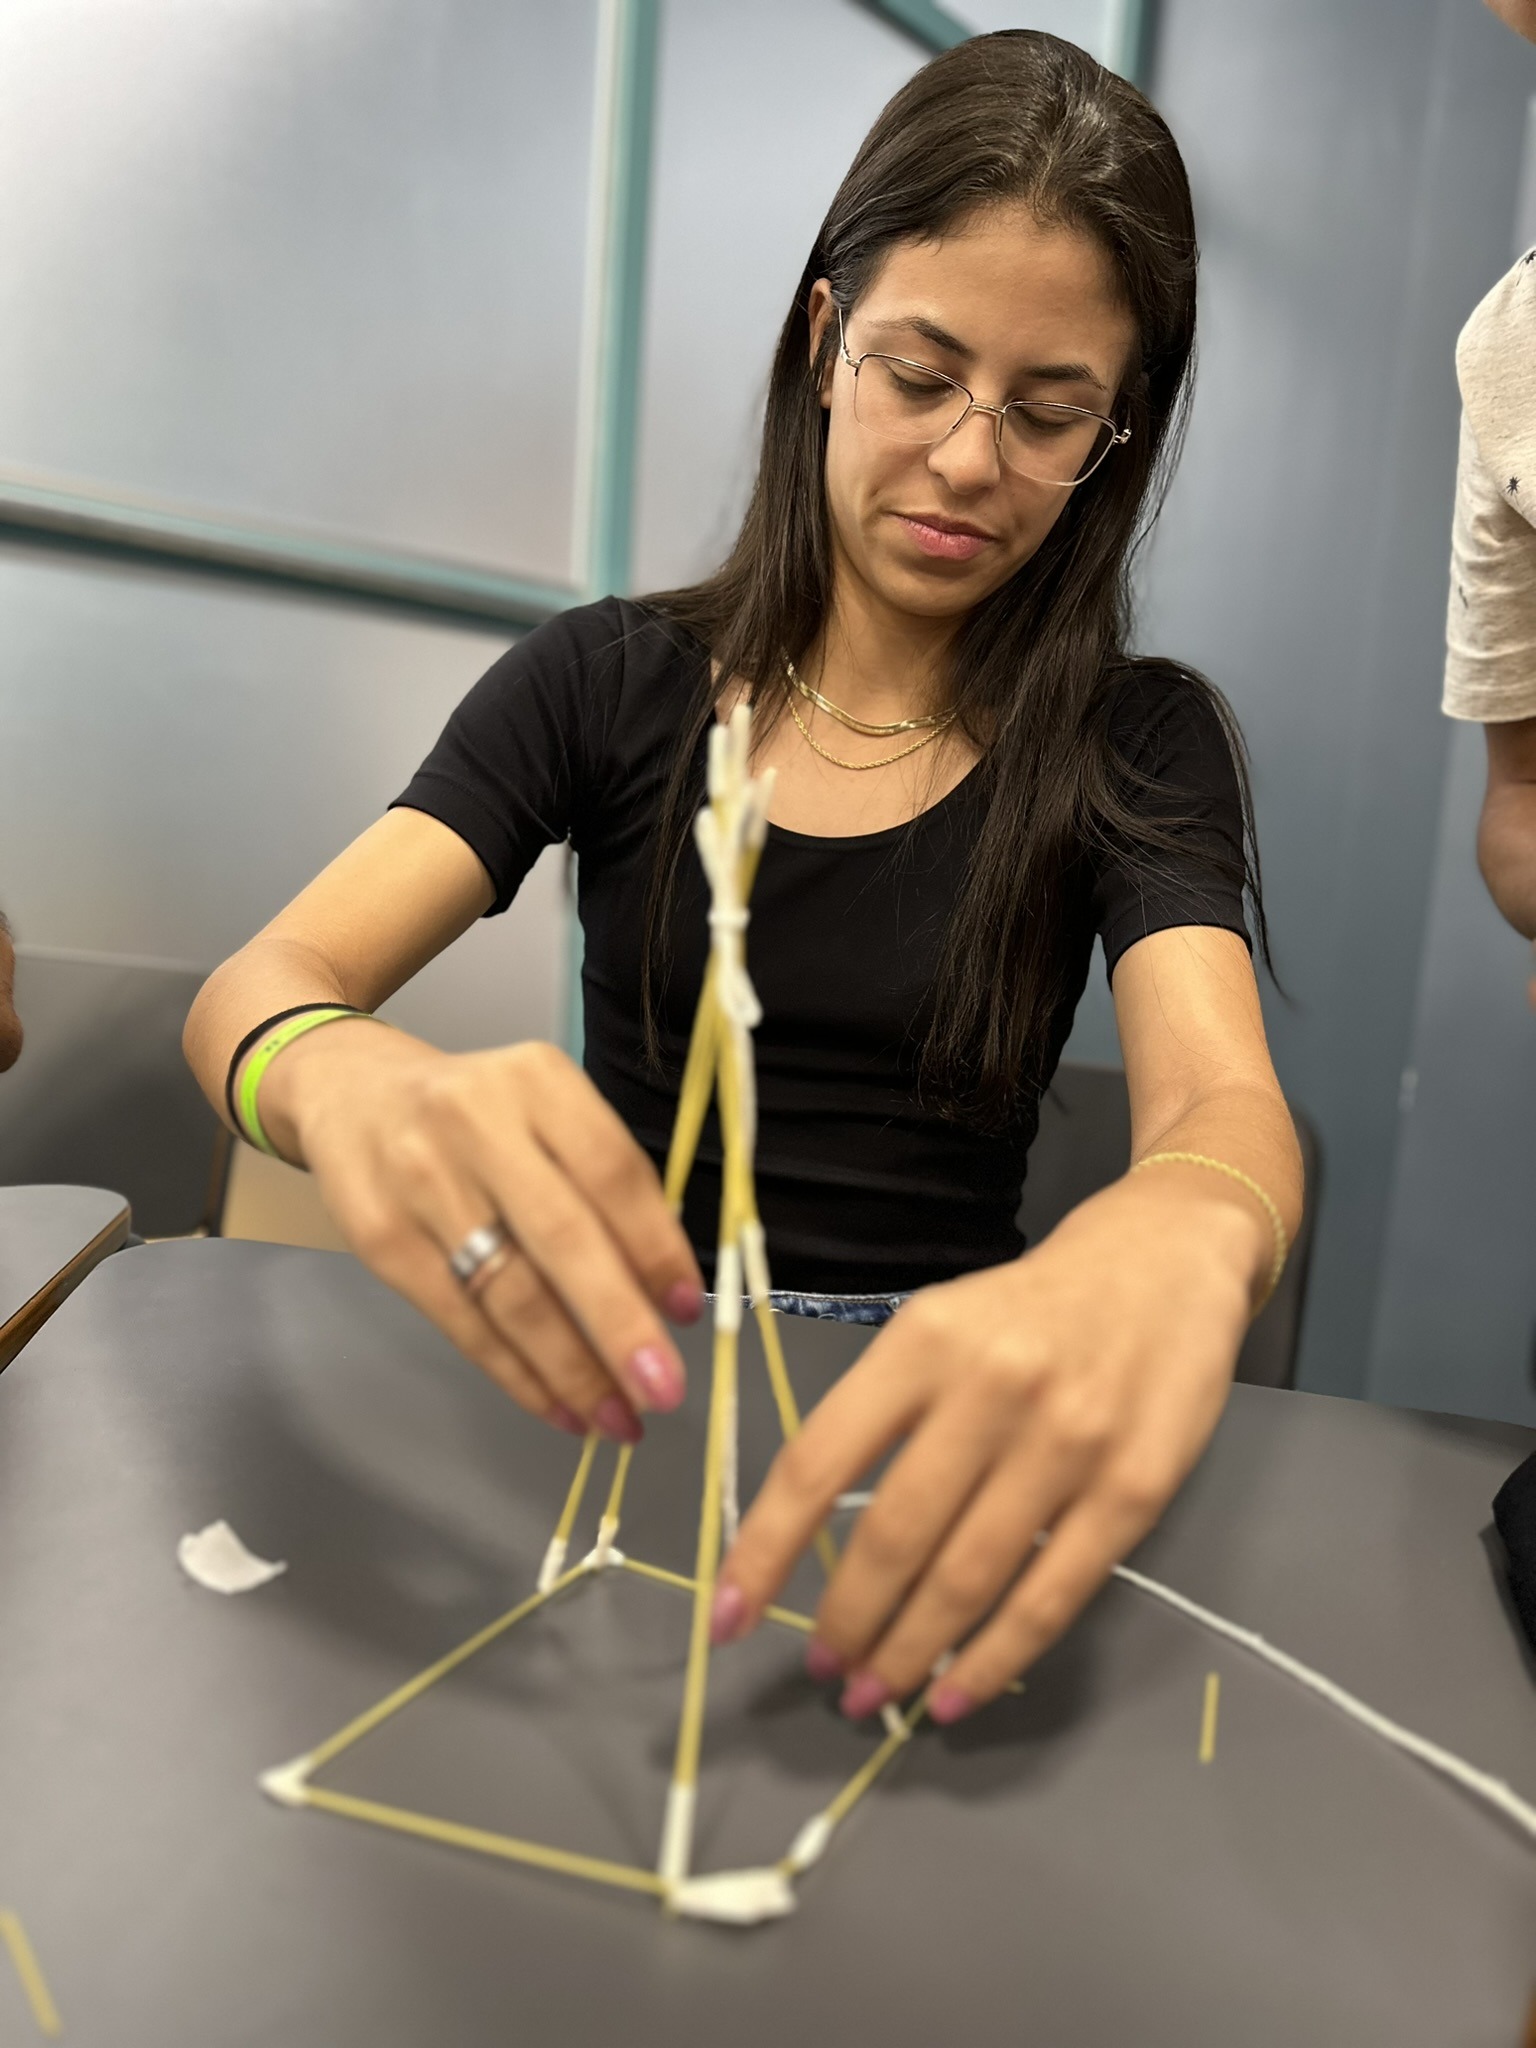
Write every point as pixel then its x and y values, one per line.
pixel 180 758
pixel 1458 1295
pixel 321 266
pixel 1355 170
pixel 1457 1313
pixel 317 263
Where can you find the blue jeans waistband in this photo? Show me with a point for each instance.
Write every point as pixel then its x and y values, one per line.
pixel 869 1309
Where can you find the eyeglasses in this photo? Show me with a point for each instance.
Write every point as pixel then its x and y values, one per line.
pixel 1061 445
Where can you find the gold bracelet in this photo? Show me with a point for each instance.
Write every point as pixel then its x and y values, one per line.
pixel 1282 1242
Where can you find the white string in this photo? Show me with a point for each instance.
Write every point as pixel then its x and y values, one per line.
pixel 1479 1783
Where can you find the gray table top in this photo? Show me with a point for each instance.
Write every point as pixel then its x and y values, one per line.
pixel 1062 1870
pixel 50 1237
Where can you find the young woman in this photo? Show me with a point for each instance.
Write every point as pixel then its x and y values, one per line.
pixel 972 405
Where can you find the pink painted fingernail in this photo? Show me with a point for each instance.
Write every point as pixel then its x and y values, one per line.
pixel 863 1695
pixel 948 1703
pixel 659 1378
pixel 566 1419
pixel 684 1302
pixel 615 1419
pixel 728 1615
pixel 822 1664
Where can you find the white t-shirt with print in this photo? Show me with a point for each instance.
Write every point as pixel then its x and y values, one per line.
pixel 1490 639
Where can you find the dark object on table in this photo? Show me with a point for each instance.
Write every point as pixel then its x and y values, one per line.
pixel 1085 1143
pixel 1514 1516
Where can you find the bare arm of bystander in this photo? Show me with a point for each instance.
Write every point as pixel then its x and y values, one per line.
pixel 10 1023
pixel 1506 837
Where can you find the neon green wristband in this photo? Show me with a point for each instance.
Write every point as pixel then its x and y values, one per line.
pixel 265 1053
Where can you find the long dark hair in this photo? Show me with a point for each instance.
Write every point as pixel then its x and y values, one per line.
pixel 1036 668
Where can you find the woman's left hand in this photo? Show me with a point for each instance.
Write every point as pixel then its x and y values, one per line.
pixel 1069 1392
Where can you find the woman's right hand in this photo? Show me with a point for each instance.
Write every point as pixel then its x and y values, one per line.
pixel 414 1148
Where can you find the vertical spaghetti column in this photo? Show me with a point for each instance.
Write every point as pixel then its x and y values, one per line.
pixel 730 831
pixel 682 1795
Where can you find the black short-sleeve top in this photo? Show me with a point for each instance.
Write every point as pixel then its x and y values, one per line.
pixel 863 1187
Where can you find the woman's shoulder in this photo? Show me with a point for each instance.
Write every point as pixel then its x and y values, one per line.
pixel 612 638
pixel 583 675
pixel 1156 709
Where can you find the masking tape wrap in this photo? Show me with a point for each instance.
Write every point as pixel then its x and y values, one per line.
pixel 741 1897
pixel 554 1563
pixel 677 1834
pixel 810 1845
pixel 728 1288
pixel 754 1256
pixel 286 1783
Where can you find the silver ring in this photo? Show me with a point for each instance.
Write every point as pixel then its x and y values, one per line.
pixel 478 1249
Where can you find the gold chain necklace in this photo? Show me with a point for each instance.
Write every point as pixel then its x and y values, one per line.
pixel 935 722
pixel 885 760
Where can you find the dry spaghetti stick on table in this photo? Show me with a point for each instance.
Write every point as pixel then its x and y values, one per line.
pixel 1208 1713
pixel 810 1844
pixel 30 1971
pixel 608 1528
pixel 699 1069
pixel 682 1794
pixel 453 1835
pixel 694 1095
pixel 286 1783
pixel 731 823
pixel 560 1542
pixel 738 1117
pixel 786 1617
pixel 789 1410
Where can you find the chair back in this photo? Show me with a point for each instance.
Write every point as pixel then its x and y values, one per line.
pixel 102 1096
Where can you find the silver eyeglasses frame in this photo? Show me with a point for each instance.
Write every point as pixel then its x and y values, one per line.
pixel 1118 435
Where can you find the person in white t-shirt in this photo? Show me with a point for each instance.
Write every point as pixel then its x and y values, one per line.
pixel 1490 667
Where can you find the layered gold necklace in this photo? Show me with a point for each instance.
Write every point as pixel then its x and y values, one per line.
pixel 928 729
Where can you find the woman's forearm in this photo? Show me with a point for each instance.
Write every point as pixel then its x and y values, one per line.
pixel 1201 1080
pixel 270 974
pixel 1249 1130
pixel 382 909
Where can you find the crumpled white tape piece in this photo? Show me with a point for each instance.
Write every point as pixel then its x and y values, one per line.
pixel 742 1897
pixel 216 1558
